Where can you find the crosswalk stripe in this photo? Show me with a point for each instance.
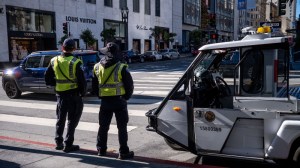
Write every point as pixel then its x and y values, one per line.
pixel 84 126
pixel 138 113
pixel 153 81
pixel 158 78
pixel 160 93
pixel 153 85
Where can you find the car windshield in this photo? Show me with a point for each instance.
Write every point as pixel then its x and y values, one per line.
pixel 89 59
pixel 163 51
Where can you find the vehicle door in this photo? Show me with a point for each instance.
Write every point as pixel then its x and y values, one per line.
pixel 88 60
pixel 41 71
pixel 229 117
pixel 29 81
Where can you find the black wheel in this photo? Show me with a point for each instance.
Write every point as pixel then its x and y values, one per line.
pixel 293 160
pixel 173 145
pixel 154 59
pixel 11 90
pixel 142 60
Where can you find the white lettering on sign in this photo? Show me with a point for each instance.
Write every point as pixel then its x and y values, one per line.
pixel 82 20
pixel 33 34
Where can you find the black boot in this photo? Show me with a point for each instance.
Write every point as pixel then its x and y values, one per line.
pixel 59 146
pixel 71 148
pixel 128 155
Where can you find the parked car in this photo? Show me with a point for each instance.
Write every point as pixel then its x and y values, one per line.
pixel 152 55
pixel 131 56
pixel 170 54
pixel 29 74
pixel 195 52
pixel 228 63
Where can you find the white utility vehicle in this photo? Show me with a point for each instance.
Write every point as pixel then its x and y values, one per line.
pixel 253 115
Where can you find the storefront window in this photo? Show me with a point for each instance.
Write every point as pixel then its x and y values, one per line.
pixel 119 27
pixel 31 21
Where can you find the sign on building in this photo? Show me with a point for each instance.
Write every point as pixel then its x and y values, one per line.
pixel 276 26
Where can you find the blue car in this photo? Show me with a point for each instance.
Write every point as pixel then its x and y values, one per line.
pixel 28 76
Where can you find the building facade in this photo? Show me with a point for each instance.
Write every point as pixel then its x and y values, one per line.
pixel 33 25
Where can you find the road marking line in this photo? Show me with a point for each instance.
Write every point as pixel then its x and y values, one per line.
pixel 153 81
pixel 86 109
pixel 84 126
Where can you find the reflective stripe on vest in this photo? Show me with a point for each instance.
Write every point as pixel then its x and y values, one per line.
pixel 62 83
pixel 114 85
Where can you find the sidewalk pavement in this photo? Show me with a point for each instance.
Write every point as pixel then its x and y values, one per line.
pixel 33 154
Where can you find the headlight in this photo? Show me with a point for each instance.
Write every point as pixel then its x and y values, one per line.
pixel 8 72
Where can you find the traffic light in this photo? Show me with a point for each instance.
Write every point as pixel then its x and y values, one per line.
pixel 281 7
pixel 214 36
pixel 65 28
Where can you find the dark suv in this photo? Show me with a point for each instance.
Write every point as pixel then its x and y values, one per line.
pixel 29 75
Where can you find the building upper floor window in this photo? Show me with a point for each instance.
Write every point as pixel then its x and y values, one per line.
pixel 136 6
pixel 191 12
pixel 30 20
pixel 123 4
pixel 108 3
pixel 157 7
pixel 91 1
pixel 147 7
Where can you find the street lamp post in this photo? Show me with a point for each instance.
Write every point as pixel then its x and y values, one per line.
pixel 124 12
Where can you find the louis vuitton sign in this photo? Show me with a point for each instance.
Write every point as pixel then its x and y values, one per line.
pixel 81 20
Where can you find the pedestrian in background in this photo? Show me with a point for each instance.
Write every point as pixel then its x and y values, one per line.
pixel 113 84
pixel 65 73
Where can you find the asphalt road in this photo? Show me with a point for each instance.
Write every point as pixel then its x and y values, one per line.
pixel 32 117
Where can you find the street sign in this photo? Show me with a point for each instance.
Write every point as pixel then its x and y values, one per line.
pixel 276 26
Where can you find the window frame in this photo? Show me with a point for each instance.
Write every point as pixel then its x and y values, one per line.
pixel 157 8
pixel 108 3
pixel 136 6
pixel 147 7
pixel 122 4
pixel 91 1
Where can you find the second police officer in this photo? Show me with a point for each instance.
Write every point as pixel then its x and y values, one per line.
pixel 113 84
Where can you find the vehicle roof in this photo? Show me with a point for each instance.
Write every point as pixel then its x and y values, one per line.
pixel 249 40
pixel 57 52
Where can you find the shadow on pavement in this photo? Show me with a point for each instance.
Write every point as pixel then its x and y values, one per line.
pixel 84 156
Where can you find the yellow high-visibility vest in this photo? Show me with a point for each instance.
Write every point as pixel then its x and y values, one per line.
pixel 114 85
pixel 68 68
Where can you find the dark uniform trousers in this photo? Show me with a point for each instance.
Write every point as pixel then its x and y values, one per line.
pixel 71 105
pixel 109 106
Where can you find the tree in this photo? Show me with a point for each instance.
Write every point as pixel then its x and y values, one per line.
pixel 87 37
pixel 108 35
pixel 159 34
pixel 196 37
pixel 62 39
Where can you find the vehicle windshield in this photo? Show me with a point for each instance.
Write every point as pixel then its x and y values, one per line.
pixel 205 64
pixel 89 59
pixel 163 51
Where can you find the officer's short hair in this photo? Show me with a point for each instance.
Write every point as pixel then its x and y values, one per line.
pixel 69 44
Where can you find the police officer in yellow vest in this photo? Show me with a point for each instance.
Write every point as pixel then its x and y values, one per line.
pixel 113 84
pixel 65 73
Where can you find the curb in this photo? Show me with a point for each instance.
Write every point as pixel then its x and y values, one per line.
pixel 112 155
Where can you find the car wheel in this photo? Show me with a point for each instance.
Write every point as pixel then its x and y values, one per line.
pixel 11 90
pixel 142 60
pixel 154 59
